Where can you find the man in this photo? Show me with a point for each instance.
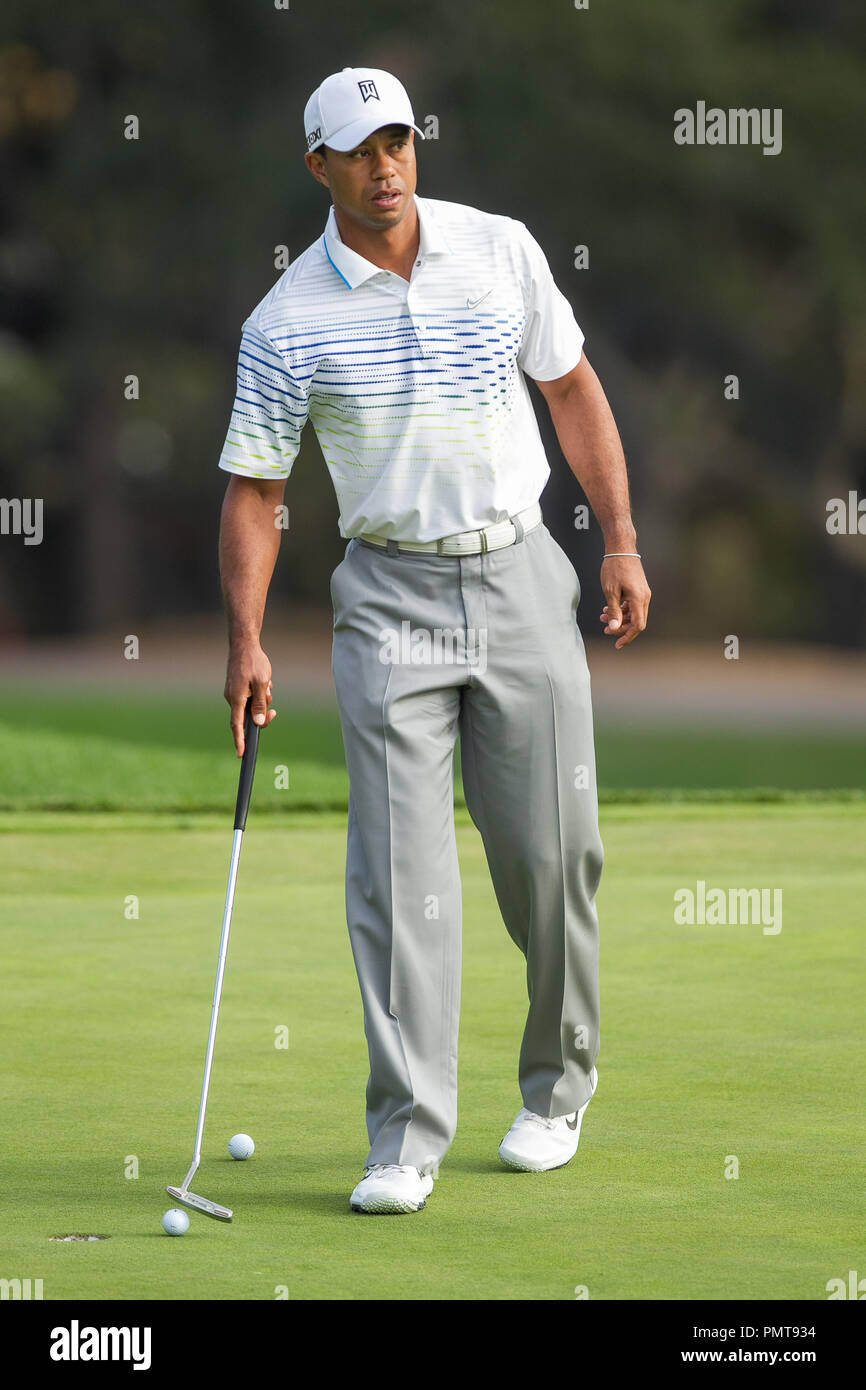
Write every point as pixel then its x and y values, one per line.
pixel 405 334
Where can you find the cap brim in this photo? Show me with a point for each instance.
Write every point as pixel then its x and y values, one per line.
pixel 352 135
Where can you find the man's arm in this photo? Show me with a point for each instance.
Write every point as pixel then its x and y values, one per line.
pixel 248 545
pixel 590 440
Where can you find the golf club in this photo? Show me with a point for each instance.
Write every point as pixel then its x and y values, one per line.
pixel 248 767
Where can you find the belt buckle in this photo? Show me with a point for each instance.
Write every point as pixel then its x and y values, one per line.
pixel 445 539
pixel 440 544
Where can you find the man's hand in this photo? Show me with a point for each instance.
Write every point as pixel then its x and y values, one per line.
pixel 628 595
pixel 248 674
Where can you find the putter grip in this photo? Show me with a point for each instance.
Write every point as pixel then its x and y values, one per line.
pixel 248 768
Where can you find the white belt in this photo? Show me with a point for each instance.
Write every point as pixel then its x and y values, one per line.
pixel 494 537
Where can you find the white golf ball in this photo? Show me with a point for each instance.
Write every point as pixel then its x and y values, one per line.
pixel 175 1222
pixel 241 1146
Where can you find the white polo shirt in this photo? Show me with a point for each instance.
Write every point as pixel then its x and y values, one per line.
pixel 415 388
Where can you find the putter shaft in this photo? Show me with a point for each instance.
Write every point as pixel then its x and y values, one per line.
pixel 182 1194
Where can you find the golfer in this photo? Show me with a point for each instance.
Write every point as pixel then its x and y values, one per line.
pixel 406 333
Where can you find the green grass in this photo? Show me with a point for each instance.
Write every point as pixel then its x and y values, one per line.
pixel 121 754
pixel 716 1041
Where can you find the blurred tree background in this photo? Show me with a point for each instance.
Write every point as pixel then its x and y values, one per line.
pixel 143 257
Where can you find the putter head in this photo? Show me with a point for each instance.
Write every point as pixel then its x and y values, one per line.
pixel 202 1204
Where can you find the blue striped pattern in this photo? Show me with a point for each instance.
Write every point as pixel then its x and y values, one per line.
pixel 417 398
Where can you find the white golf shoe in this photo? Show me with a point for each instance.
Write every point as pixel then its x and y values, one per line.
pixel 534 1144
pixel 391 1188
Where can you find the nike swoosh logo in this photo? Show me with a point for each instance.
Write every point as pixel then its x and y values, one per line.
pixel 473 303
pixel 572 1124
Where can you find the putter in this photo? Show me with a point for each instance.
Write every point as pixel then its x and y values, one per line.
pixel 182 1194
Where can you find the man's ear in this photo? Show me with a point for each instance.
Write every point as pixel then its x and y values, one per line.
pixel 317 167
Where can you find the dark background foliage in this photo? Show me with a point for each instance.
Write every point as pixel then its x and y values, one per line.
pixel 143 257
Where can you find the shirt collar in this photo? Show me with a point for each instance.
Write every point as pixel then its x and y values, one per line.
pixel 355 269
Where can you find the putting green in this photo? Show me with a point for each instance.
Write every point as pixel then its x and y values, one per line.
pixel 718 1042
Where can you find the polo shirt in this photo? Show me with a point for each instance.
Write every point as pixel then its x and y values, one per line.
pixel 416 389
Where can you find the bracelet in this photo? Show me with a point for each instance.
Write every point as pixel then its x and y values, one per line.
pixel 616 554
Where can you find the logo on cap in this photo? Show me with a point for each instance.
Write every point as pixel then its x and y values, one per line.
pixel 314 137
pixel 368 90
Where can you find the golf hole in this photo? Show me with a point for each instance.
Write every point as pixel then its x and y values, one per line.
pixel 79 1237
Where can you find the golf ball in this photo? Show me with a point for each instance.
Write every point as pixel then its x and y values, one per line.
pixel 175 1222
pixel 241 1146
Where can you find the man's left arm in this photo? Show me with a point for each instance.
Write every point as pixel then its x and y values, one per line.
pixel 590 441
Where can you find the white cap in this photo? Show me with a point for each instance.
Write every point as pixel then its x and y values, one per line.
pixel 350 105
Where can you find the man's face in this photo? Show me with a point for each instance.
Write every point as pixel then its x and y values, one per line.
pixel 372 184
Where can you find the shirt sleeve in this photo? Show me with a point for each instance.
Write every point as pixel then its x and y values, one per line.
pixel 552 339
pixel 269 412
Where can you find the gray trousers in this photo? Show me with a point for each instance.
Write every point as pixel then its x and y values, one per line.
pixel 426 645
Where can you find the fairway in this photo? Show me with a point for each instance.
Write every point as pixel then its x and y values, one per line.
pixel 125 752
pixel 717 1043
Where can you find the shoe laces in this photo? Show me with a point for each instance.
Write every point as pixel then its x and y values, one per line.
pixel 382 1170
pixel 540 1120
